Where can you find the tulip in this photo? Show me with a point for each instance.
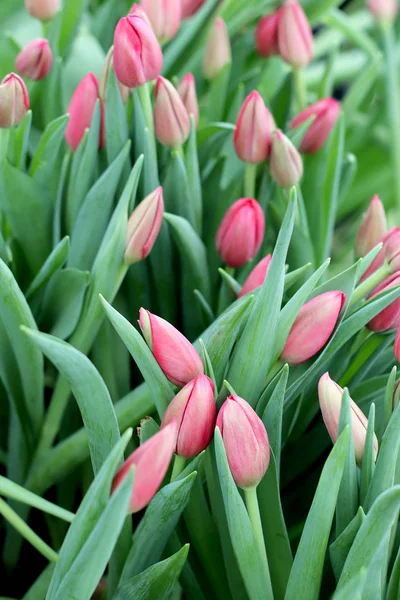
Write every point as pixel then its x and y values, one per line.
pixel 286 165
pixel 388 253
pixel 151 461
pixel 373 227
pixel 326 113
pixel 295 38
pixel 397 346
pixel 14 101
pixel 254 125
pixel 123 90
pixel 176 356
pixel 389 317
pixel 267 35
pixel 187 92
pixel 256 277
pixel 383 10
pixel 330 400
pixel 245 441
pixel 189 7
pixel 313 327
pixel 81 109
pixel 44 10
pixel 194 411
pixel 217 53
pixel 241 232
pixel 143 227
pixel 171 120
pixel 137 53
pixel 164 16
pixel 35 60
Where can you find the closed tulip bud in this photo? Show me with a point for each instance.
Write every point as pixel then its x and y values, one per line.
pixel 267 35
pixel 383 10
pixel 35 60
pixel 137 53
pixel 176 356
pixel 144 226
pixel 14 101
pixel 164 16
pixel 189 7
pixel 241 232
pixel 330 400
pixel 295 37
pixel 326 113
pixel 151 462
pixel 313 327
pixel 217 53
pixel 245 440
pixel 44 10
pixel 286 164
pixel 389 317
pixel 194 411
pixel 256 277
pixel 171 120
pixel 373 227
pixel 187 92
pixel 397 346
pixel 388 253
pixel 81 109
pixel 254 125
pixel 123 90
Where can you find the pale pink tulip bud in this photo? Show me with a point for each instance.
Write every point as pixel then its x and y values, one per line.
pixel 256 277
pixel 144 226
pixel 330 400
pixel 254 126
pixel 137 53
pixel 44 10
pixel 35 60
pixel 187 92
pixel 295 37
pixel 383 10
pixel 123 90
pixel 373 227
pixel 389 317
pixel 151 462
pixel 313 327
pixel 194 411
pixel 267 35
pixel 390 248
pixel 245 440
pixel 189 7
pixel 165 17
pixel 81 109
pixel 176 356
pixel 241 232
pixel 326 113
pixel 171 120
pixel 14 101
pixel 397 346
pixel 217 53
pixel 286 164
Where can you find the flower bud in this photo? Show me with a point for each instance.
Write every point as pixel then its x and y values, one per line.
pixel 194 411
pixel 187 92
pixel 241 232
pixel 388 253
pixel 176 356
pixel 295 37
pixel 35 60
pixel 330 400
pixel 383 10
pixel 189 7
pixel 143 227
pixel 217 52
pixel 286 165
pixel 313 327
pixel 389 317
pixel 373 227
pixel 254 125
pixel 14 101
pixel 151 461
pixel 326 113
pixel 137 53
pixel 123 90
pixel 267 35
pixel 256 277
pixel 164 16
pixel 81 109
pixel 245 440
pixel 44 10
pixel 171 120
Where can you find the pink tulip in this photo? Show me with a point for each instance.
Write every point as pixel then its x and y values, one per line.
pixel 241 232
pixel 171 120
pixel 165 17
pixel 256 277
pixel 151 461
pixel 267 35
pixel 373 227
pixel 123 90
pixel 286 165
pixel 326 113
pixel 194 411
pixel 144 226
pixel 176 356
pixel 189 7
pixel 44 10
pixel 217 53
pixel 330 400
pixel 295 37
pixel 81 109
pixel 245 441
pixel 313 327
pixel 397 346
pixel 389 252
pixel 383 10
pixel 254 125
pixel 187 92
pixel 389 317
pixel 35 60
pixel 14 101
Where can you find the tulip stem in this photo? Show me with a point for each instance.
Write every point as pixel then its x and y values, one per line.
pixel 250 181
pixel 147 107
pixel 250 496
pixel 301 92
pixel 367 286
pixel 179 465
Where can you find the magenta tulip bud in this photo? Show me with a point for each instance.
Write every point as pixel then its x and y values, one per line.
pixel 254 125
pixel 373 227
pixel 388 253
pixel 326 113
pixel 35 60
pixel 176 356
pixel 189 7
pixel 286 164
pixel 137 53
pixel 384 11
pixel 194 411
pixel 313 327
pixel 14 101
pixel 256 277
pixel 171 120
pixel 187 92
pixel 245 440
pixel 81 109
pixel 330 400
pixel 295 37
pixel 123 90
pixel 389 317
pixel 267 35
pixel 217 53
pixel 165 17
pixel 241 232
pixel 151 462
pixel 143 227
pixel 44 10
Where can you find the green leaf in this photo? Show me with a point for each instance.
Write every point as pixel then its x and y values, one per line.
pixel 177 196
pixel 368 460
pixel 71 15
pixel 338 19
pixel 394 581
pixel 21 139
pixel 340 548
pixel 218 93
pixel 354 588
pixel 361 86
pixel 194 178
pixel 53 263
pixel 388 401
pixel 272 414
pixel 46 155
pixel 39 589
pixel 116 126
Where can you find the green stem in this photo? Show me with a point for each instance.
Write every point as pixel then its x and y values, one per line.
pixel 147 107
pixel 250 496
pixel 179 465
pixel 370 284
pixel 250 181
pixel 301 92
pixel 4 141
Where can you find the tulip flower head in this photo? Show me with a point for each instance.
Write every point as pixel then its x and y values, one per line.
pixel 144 226
pixel 14 101
pixel 256 277
pixel 187 92
pixel 81 109
pixel 35 60
pixel 217 53
pixel 44 10
pixel 389 317
pixel 295 37
pixel 171 120
pixel 384 11
pixel 252 138
pixel 267 35
pixel 326 113
pixel 286 165
pixel 123 90
pixel 164 16
pixel 373 227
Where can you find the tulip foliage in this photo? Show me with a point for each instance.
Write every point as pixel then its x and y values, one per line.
pixel 199 300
